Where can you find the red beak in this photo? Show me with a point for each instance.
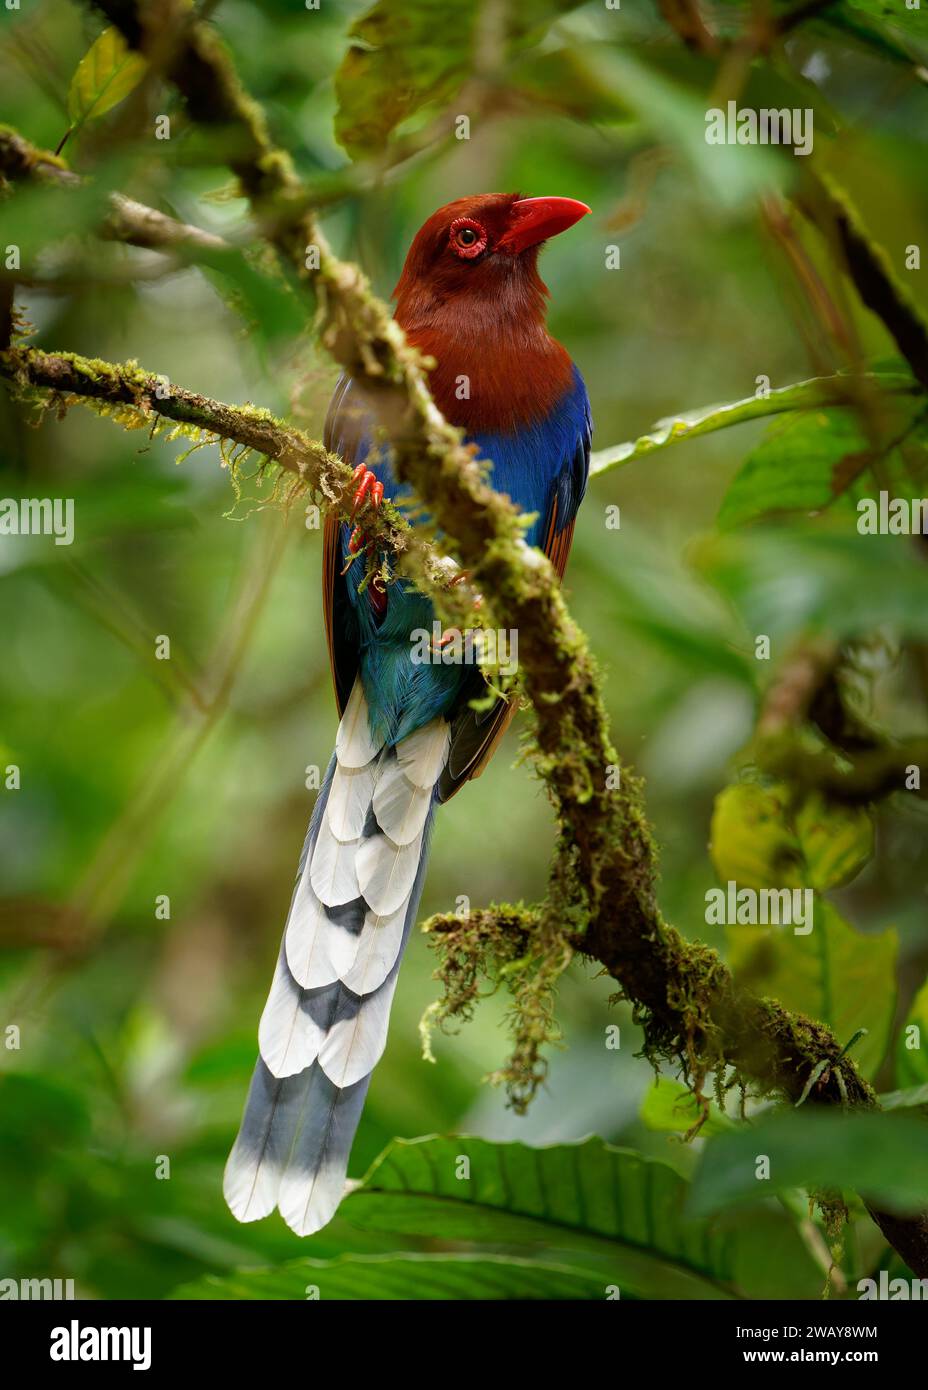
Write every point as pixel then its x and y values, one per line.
pixel 536 219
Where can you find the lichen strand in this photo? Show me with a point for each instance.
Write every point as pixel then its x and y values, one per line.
pixel 519 948
pixel 138 399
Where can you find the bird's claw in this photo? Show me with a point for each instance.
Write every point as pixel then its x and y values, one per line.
pixel 369 489
pixel 368 486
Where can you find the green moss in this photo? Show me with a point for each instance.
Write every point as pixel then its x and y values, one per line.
pixel 521 949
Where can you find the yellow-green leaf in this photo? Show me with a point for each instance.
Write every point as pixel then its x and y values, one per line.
pixel 912 1046
pixel 105 76
pixel 408 57
pixel 836 841
pixel 751 842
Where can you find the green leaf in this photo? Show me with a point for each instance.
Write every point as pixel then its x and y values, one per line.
pixel 913 1098
pixel 403 1276
pixel 890 42
pixel 751 842
pixel 792 468
pixel 808 461
pixel 834 974
pixel 413 55
pixel 801 396
pixel 836 841
pixel 105 76
pixel 399 65
pixel 590 1203
pixel 912 1044
pixel 896 13
pixel 671 1107
pixel 882 1157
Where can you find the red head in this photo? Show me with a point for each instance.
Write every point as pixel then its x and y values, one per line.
pixel 470 295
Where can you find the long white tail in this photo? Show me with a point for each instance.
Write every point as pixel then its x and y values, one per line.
pixel 324 1026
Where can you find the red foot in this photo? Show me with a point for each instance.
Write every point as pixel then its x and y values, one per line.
pixel 370 488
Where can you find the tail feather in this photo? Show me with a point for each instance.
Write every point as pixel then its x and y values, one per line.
pixel 319 949
pixel 386 872
pixel 313 1182
pixel 324 1027
pixel 294 1023
pixel 355 745
pixel 357 1036
pixel 333 869
pixel 400 807
pixel 349 800
pixel 259 1155
pixel 379 946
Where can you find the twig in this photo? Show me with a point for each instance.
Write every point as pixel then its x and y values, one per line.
pixel 70 377
pixel 127 220
pixel 830 210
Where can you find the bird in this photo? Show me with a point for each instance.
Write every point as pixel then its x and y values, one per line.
pixel 411 733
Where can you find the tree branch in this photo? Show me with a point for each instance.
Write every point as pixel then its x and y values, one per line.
pixel 145 397
pixel 127 384
pixel 128 220
pixel 868 268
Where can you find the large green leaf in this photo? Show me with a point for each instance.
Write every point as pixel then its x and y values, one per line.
pixel 896 13
pixel 834 974
pixel 611 1207
pixel 864 21
pixel 404 1276
pixel 912 1044
pixel 412 55
pixel 809 460
pixel 882 1157
pixel 105 76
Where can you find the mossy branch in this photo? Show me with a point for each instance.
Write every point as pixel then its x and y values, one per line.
pixel 127 220
pixel 858 780
pixel 146 395
pixel 137 398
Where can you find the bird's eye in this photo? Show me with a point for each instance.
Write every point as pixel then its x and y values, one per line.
pixel 467 238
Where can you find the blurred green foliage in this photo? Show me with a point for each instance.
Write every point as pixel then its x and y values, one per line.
pixel 129 1034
